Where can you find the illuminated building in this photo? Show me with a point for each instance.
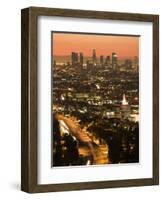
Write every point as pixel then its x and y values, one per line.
pixel 74 58
pixel 107 60
pixel 81 59
pixel 101 60
pixel 125 108
pixel 124 102
pixel 94 59
pixel 114 61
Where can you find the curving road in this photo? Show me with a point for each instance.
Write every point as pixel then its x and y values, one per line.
pixel 98 152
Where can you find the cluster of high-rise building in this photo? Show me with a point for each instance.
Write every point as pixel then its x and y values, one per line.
pixel 78 59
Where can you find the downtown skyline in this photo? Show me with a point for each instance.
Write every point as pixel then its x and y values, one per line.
pixel 124 46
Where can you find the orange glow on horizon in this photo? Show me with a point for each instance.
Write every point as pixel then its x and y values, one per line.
pixel 124 46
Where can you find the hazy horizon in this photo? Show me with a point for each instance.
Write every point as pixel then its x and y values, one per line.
pixel 124 46
pixel 67 58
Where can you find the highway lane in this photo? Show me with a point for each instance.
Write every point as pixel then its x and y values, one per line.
pixel 99 152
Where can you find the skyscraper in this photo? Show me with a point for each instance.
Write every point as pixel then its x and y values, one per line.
pixel 101 60
pixel 74 58
pixel 114 61
pixel 107 60
pixel 94 56
pixel 81 59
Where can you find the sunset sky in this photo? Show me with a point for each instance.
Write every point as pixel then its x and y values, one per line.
pixel 124 46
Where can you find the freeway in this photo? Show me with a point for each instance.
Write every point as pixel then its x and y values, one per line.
pixel 70 125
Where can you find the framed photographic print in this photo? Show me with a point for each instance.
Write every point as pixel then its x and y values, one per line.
pixel 90 99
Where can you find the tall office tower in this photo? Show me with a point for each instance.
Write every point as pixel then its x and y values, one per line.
pixel 101 60
pixel 107 61
pixel 74 58
pixel 94 56
pixel 114 61
pixel 81 59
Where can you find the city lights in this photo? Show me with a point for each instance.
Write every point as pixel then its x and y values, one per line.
pixel 95 109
